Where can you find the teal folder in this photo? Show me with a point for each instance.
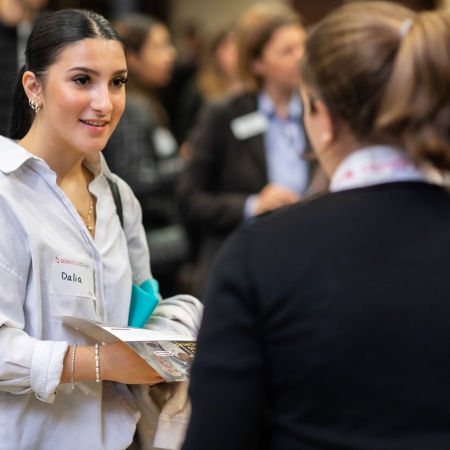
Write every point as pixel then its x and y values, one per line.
pixel 144 299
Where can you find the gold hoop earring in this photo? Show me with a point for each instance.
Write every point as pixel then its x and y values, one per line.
pixel 34 105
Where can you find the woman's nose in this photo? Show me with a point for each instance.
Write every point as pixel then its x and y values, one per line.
pixel 101 100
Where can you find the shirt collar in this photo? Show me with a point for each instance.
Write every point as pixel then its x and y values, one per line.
pixel 13 156
pixel 266 106
pixel 379 164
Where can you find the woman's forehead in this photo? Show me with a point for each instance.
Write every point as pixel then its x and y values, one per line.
pixel 98 54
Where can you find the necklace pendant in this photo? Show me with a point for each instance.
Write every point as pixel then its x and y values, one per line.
pixel 90 228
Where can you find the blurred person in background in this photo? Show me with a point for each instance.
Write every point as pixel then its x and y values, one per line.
pixel 142 150
pixel 248 152
pixel 218 78
pixel 219 75
pixel 17 18
pixel 326 325
pixel 181 98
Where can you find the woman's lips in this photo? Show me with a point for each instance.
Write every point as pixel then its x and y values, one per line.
pixel 95 125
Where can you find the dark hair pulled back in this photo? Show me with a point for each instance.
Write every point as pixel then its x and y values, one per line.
pixel 51 35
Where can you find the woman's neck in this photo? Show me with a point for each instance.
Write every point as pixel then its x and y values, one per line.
pixel 332 156
pixel 280 96
pixel 71 176
pixel 66 163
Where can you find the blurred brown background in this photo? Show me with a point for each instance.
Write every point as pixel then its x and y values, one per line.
pixel 207 16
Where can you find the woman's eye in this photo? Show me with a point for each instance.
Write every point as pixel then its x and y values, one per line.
pixel 119 82
pixel 83 80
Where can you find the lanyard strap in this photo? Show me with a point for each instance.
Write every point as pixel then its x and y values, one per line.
pixel 117 200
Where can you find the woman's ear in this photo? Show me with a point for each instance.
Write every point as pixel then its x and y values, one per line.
pixel 323 122
pixel 31 86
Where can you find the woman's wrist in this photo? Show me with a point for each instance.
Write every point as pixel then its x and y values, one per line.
pixel 83 364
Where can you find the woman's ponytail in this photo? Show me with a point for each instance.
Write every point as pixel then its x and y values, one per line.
pixel 22 114
pixel 348 61
pixel 415 109
pixel 385 71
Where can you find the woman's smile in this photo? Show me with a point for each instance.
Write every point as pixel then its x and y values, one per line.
pixel 96 126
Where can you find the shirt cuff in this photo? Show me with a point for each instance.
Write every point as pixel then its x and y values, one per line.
pixel 250 207
pixel 46 368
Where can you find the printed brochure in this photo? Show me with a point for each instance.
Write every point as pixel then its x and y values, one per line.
pixel 170 354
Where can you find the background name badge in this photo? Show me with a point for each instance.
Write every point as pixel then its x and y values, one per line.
pixel 250 125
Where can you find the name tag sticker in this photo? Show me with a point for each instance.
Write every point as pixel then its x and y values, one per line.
pixel 249 125
pixel 72 276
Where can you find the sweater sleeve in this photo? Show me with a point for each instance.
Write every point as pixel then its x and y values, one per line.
pixel 229 374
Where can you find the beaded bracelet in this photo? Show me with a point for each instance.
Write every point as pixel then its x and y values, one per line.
pixel 97 364
pixel 72 367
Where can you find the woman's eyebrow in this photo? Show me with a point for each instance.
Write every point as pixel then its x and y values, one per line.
pixel 84 69
pixel 95 72
pixel 118 72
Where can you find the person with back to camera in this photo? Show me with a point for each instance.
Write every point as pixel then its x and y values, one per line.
pixel 326 325
pixel 248 152
pixel 58 388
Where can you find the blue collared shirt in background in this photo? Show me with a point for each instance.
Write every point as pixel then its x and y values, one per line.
pixel 285 144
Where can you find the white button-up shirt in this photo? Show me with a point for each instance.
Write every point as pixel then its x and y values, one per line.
pixel 50 266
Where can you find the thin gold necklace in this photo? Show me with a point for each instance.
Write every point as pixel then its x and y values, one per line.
pixel 87 218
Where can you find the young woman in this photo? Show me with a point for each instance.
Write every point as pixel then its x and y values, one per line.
pixel 62 248
pixel 327 325
pixel 248 151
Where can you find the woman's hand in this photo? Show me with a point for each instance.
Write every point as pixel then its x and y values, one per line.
pixel 273 197
pixel 117 363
